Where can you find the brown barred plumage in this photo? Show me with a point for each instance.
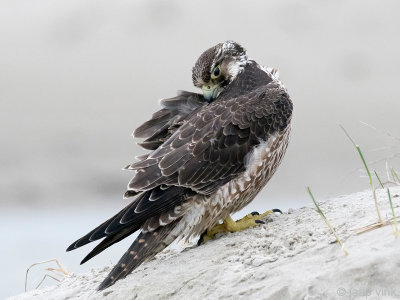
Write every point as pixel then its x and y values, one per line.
pixel 208 159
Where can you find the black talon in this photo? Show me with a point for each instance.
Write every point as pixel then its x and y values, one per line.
pixel 259 222
pixel 201 239
pixel 277 210
pixel 254 213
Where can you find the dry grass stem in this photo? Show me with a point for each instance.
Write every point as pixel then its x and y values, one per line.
pixel 373 226
pixel 60 272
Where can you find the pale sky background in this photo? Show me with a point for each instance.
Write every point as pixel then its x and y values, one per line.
pixel 76 78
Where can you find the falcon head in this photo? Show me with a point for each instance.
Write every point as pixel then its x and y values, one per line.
pixel 217 67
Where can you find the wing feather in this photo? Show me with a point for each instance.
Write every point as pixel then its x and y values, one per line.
pixel 210 148
pixel 165 121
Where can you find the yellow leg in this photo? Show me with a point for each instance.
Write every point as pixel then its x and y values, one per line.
pixel 229 225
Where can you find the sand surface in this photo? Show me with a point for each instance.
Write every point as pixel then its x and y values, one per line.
pixel 292 256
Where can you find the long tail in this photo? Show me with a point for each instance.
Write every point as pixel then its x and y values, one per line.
pixel 109 241
pixel 145 247
pixel 147 205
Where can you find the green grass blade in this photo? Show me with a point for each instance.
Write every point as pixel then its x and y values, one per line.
pixel 380 182
pixel 365 164
pixel 327 222
pixel 395 176
pixel 348 135
pixel 368 172
pixel 395 231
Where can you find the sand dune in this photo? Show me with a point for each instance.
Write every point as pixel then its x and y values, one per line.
pixel 292 256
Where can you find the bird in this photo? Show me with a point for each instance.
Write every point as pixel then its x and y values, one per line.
pixel 209 155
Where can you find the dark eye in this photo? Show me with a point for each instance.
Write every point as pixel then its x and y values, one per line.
pixel 216 72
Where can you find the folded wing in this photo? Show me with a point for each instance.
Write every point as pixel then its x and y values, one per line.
pixel 210 148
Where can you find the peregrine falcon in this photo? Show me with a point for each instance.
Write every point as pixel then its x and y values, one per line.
pixel 209 156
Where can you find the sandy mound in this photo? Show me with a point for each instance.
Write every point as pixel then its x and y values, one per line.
pixel 292 256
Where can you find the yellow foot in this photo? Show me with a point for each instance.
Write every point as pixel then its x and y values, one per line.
pixel 229 225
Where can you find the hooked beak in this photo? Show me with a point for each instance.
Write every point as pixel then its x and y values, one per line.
pixel 210 91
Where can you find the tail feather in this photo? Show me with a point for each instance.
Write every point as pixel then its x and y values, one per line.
pixel 145 247
pixel 146 205
pixel 99 232
pixel 109 241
